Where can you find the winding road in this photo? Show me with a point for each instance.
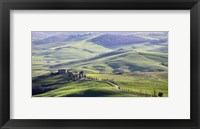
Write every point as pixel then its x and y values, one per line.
pixel 116 86
pixel 130 92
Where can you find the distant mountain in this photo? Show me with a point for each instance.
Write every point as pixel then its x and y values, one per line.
pixel 56 41
pixel 115 41
pixel 60 38
pixel 106 39
pixel 46 34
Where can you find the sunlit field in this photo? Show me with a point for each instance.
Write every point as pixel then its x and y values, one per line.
pixel 94 64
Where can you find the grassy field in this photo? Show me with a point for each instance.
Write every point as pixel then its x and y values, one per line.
pixel 115 65
pixel 146 83
pixel 83 89
pixel 136 85
pixel 86 59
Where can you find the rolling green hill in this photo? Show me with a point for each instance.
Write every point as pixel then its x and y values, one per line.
pixel 77 56
pixel 120 61
pixel 136 85
pixel 42 60
pixel 123 64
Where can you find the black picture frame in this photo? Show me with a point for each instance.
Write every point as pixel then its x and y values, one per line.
pixel 7 5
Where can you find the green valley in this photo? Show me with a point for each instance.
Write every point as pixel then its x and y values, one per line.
pixel 100 64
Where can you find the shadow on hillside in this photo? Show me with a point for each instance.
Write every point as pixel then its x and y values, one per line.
pixel 92 93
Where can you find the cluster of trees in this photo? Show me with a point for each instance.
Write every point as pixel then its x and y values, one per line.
pixel 97 79
pixel 109 80
pixel 155 94
pixel 94 78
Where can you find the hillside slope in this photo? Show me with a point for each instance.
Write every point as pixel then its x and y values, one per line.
pixel 116 61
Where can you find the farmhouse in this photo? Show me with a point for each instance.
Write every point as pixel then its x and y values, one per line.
pixel 69 75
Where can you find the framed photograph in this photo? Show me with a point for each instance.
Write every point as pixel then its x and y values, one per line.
pixel 99 64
